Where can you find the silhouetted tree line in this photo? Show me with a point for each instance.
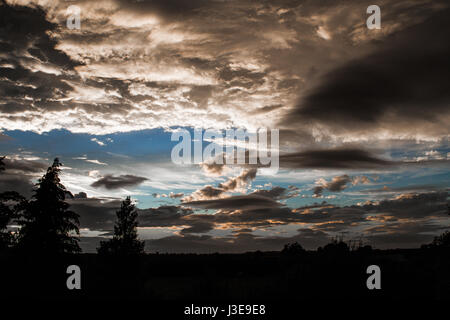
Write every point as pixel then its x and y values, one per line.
pixel 47 226
pixel 337 247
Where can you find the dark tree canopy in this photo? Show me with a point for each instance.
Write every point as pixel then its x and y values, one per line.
pixel 441 241
pixel 294 248
pixel 47 224
pixel 124 241
pixel 11 203
pixel 335 247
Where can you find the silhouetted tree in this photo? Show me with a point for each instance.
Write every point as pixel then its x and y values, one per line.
pixel 11 203
pixel 47 224
pixel 335 247
pixel 124 241
pixel 2 164
pixel 294 248
pixel 441 241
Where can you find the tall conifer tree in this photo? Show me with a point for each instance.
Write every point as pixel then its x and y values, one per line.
pixel 48 226
pixel 124 241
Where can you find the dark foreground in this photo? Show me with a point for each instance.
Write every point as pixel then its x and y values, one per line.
pixel 227 278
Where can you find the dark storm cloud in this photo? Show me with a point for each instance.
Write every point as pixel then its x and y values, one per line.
pixel 274 193
pixel 257 211
pixel 95 213
pixel 408 206
pixel 406 235
pixel 278 193
pixel 19 175
pixel 395 218
pixel 413 205
pixel 116 182
pixel 26 166
pixel 333 159
pixel 235 203
pixel 33 70
pixel 18 83
pixel 260 209
pixel 18 182
pixel 267 109
pixel 411 188
pixel 402 87
pixel 198 227
pixel 164 216
pixel 166 8
pixel 26 29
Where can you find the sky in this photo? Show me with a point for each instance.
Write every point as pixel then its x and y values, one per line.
pixel 362 116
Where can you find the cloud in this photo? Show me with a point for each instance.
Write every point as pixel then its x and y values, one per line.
pixel 207 192
pixel 399 89
pixel 377 222
pixel 20 174
pixel 112 182
pixel 19 182
pixel 198 227
pixel 278 193
pixel 176 195
pixel 156 64
pixel 337 184
pixel 32 67
pixel 413 205
pixel 80 195
pixel 164 216
pixel 214 169
pixel 94 161
pixel 273 193
pixel 240 181
pixel 100 143
pixel 333 159
pixel 257 211
pixel 235 202
pixel 95 213
pixel 24 166
pixel 234 184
